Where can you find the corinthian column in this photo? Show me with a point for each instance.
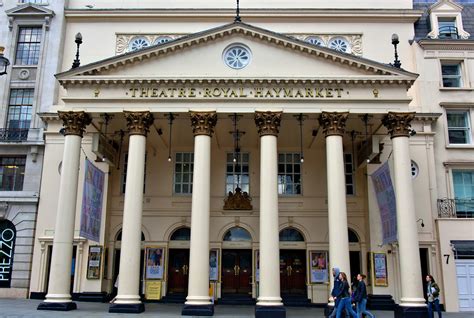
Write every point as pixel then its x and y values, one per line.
pixel 198 302
pixel 412 303
pixel 128 296
pixel 59 297
pixel 334 125
pixel 269 301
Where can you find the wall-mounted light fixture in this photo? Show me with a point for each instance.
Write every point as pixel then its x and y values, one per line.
pixel 4 62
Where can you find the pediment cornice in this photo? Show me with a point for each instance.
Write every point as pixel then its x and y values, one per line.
pixel 28 10
pixel 443 3
pixel 375 71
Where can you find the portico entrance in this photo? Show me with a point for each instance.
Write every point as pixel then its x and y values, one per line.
pixel 293 272
pixel 236 271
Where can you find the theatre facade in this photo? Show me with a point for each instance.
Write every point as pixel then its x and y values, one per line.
pixel 232 164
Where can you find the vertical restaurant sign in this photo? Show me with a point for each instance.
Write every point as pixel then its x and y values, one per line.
pixel 92 198
pixel 386 201
pixel 7 248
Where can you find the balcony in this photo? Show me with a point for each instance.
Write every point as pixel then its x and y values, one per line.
pixel 448 32
pixel 13 134
pixel 455 208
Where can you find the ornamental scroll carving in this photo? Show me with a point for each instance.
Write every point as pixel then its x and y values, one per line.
pixel 138 123
pixel 74 122
pixel 203 123
pixel 398 124
pixel 268 123
pixel 333 123
pixel 238 200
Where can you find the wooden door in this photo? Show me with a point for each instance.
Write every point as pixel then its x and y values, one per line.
pixel 236 271
pixel 178 270
pixel 293 272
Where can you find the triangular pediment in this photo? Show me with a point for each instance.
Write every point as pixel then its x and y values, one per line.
pixel 446 6
pixel 29 10
pixel 200 56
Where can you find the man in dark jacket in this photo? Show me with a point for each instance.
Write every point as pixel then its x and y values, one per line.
pixel 336 290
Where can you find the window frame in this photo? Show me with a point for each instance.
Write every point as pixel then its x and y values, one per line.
pixel 191 173
pixel 39 45
pixel 233 174
pixel 462 76
pixel 123 174
pixel 285 153
pixel 351 173
pixel 15 176
pixel 468 114
pixel 21 107
pixel 461 169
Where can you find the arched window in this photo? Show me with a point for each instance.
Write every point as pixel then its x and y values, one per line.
pixel 237 234
pixel 181 234
pixel 119 236
pixel 291 235
pixel 353 237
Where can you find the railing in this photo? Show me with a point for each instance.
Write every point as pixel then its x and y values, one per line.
pixel 448 32
pixel 455 208
pixel 13 134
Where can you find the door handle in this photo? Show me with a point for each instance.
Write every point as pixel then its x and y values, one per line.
pixel 238 270
pixel 185 269
pixel 290 270
pixel 235 270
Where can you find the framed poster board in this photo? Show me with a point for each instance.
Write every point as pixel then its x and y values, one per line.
pixel 318 264
pixel 154 262
pixel 214 265
pixel 94 262
pixel 379 269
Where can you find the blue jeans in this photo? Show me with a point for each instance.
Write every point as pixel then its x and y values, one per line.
pixel 345 304
pixel 434 303
pixel 361 309
pixel 336 304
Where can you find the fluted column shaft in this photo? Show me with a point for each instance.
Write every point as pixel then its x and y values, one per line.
pixel 398 125
pixel 198 291
pixel 269 286
pixel 334 126
pixel 129 273
pixel 60 278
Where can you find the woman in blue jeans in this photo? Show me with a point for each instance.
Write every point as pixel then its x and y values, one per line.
pixel 345 297
pixel 432 291
pixel 360 296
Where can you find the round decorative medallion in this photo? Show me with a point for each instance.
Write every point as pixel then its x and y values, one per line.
pixel 339 44
pixel 315 40
pixel 24 74
pixel 414 169
pixel 138 43
pixel 237 56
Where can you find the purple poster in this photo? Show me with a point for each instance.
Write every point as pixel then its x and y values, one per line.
pixel 91 213
pixel 386 201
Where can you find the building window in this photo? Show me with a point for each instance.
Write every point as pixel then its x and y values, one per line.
pixel 237 173
pixel 459 130
pixel 463 181
pixel 447 28
pixel 33 1
pixel 19 113
pixel 28 46
pixel 451 73
pixel 289 173
pixel 183 173
pixel 349 172
pixel 12 173
pixel 124 173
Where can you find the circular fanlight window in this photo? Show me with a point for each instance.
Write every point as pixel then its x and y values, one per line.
pixel 138 44
pixel 315 40
pixel 339 44
pixel 414 169
pixel 162 39
pixel 237 56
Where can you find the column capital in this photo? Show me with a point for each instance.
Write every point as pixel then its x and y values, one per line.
pixel 74 122
pixel 203 123
pixel 333 123
pixel 268 123
pixel 138 123
pixel 398 124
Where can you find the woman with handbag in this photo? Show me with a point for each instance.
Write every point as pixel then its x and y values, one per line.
pixel 432 291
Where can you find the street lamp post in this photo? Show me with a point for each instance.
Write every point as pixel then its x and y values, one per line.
pixel 4 62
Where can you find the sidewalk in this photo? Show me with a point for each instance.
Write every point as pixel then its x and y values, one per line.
pixel 25 308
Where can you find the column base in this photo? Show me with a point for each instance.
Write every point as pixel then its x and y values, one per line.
pixel 270 312
pixel 67 306
pixel 127 308
pixel 410 312
pixel 198 310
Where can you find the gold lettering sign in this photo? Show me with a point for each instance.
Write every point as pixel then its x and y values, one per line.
pixel 236 92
